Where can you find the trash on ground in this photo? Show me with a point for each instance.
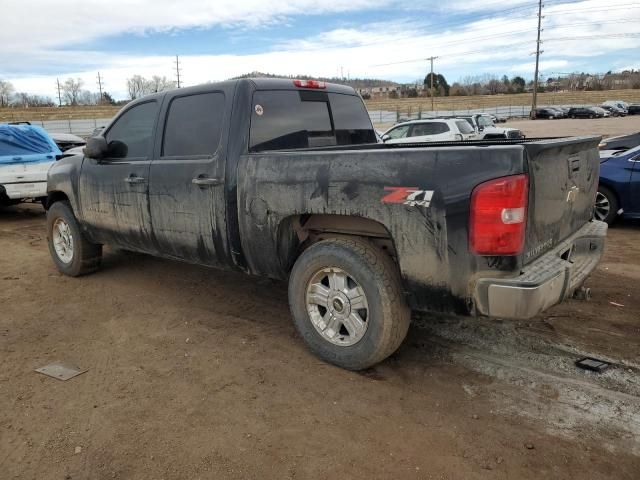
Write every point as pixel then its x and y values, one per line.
pixel 592 364
pixel 61 371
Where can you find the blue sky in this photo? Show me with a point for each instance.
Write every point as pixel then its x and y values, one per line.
pixel 379 39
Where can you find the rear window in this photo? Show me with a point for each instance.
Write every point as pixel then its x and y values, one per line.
pixel 464 127
pixel 289 119
pixel 352 122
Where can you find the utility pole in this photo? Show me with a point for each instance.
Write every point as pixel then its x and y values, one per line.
pixel 59 96
pixel 431 59
pixel 534 103
pixel 178 70
pixel 100 88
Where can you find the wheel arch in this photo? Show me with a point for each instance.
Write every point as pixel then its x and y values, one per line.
pixel 55 196
pixel 611 187
pixel 297 232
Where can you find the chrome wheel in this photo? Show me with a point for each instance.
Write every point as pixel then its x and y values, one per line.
pixel 62 240
pixel 337 306
pixel 603 207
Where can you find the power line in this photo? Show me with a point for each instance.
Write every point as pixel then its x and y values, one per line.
pixel 620 6
pixel 516 44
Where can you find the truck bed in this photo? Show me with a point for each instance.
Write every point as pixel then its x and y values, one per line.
pixel 430 240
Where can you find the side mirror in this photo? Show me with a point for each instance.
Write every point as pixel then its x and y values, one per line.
pixel 117 149
pixel 386 137
pixel 480 128
pixel 96 147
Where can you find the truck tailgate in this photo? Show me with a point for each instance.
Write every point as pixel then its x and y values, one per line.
pixel 563 180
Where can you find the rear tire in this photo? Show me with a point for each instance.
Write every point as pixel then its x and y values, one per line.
pixel 321 293
pixel 70 250
pixel 607 206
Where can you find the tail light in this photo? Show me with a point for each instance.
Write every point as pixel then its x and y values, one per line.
pixel 309 84
pixel 498 216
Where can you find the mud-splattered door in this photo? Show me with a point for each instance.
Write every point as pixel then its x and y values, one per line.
pixel 186 191
pixel 113 191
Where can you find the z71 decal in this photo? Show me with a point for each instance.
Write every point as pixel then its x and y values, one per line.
pixel 411 196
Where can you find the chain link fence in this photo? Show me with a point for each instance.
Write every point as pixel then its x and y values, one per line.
pixel 81 127
pixel 383 117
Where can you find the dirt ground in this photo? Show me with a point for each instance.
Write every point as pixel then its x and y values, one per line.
pixel 606 127
pixel 199 374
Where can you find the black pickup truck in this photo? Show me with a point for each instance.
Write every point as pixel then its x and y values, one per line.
pixel 284 179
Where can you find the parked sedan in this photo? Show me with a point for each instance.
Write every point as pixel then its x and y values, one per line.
pixel 441 130
pixel 548 112
pixel 613 110
pixel 633 109
pixel 584 112
pixel 619 188
pixel 621 142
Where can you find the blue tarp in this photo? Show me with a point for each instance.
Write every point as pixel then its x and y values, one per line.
pixel 26 144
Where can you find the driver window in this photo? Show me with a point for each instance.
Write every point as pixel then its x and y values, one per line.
pixel 134 129
pixel 400 132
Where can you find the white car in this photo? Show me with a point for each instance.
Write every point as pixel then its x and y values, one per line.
pixel 440 130
pixel 483 124
pixel 26 153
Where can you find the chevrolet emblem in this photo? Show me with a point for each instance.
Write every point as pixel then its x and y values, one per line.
pixel 572 194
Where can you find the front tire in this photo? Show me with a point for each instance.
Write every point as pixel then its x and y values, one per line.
pixel 70 250
pixel 606 207
pixel 347 302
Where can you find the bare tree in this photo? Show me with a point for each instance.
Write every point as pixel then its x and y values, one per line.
pixel 6 89
pixel 71 90
pixel 85 97
pixel 137 86
pixel 26 100
pixel 160 84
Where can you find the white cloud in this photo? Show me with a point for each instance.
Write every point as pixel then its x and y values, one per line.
pixel 544 65
pixel 54 23
pixel 503 43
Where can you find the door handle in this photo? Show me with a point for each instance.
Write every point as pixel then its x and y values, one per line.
pixel 205 181
pixel 134 179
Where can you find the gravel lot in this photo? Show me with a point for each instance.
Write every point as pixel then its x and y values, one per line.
pixel 198 374
pixel 606 127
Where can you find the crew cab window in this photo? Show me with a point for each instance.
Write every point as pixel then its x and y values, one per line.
pixel 399 132
pixel 134 128
pixel 464 127
pixel 432 128
pixel 283 120
pixel 351 120
pixel 194 125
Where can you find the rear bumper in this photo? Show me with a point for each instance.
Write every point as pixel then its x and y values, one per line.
pixel 545 282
